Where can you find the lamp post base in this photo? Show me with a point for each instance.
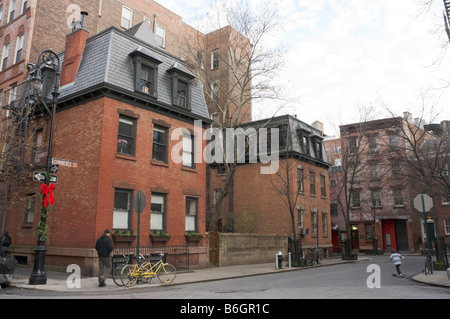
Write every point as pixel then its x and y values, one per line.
pixel 38 276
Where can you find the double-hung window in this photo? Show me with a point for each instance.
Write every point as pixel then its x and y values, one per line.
pixel 11 10
pixel 158 212
pixel 19 47
pixel 127 17
pixel 323 189
pixel 5 55
pixel 300 177
pixel 191 214
pixel 160 36
pixel 312 182
pixel 180 79
pixel 160 141
pixel 188 150
pixel 122 209
pixel 376 198
pixel 127 135
pixel 29 209
pixel 356 199
pixel 146 71
pixel 215 59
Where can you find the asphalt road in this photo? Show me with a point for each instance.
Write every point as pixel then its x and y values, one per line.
pixel 343 281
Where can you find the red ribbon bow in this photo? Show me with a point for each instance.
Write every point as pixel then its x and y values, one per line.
pixel 48 192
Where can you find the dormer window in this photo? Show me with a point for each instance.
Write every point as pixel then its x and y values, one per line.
pixel 146 71
pixel 180 80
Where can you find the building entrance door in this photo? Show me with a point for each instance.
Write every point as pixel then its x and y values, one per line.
pixel 214 244
pixel 401 235
pixel 388 233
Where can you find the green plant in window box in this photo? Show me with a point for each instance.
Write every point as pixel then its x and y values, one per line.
pixel 160 235
pixel 124 235
pixel 193 236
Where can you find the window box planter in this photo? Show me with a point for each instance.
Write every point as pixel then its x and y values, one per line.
pixel 124 236
pixel 193 236
pixel 160 236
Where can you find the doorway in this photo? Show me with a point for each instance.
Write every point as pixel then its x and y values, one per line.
pixel 401 234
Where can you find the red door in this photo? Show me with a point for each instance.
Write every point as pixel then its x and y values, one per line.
pixel 388 233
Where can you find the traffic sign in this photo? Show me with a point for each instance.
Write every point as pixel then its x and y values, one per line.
pixel 423 203
pixel 40 177
pixel 139 201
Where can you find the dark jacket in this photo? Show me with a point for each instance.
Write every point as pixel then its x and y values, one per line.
pixel 6 240
pixel 104 246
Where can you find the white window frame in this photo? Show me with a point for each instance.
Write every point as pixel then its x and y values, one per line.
pixel 213 59
pixel 157 221
pixel 11 8
pixel 188 150
pixel 19 46
pixel 5 55
pixel 23 6
pixel 126 10
pixel 121 217
pixel 160 34
pixel 191 213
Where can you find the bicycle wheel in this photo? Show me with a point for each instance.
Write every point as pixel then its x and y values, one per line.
pixel 427 267
pixel 167 273
pixel 129 275
pixel 117 278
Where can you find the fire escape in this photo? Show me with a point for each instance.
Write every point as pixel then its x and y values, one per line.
pixel 25 103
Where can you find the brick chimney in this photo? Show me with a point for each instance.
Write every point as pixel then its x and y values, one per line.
pixel 75 42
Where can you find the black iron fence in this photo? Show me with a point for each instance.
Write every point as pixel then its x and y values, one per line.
pixel 175 255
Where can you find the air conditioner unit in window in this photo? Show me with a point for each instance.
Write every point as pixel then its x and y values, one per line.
pixel 301 231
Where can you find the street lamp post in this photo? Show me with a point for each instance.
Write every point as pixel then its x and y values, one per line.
pixel 47 58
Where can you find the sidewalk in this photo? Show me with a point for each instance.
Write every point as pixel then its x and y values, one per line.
pixel 57 281
pixel 438 278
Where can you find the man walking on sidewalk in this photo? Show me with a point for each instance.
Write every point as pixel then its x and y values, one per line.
pixel 104 247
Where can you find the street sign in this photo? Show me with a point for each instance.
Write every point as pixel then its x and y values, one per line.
pixel 54 168
pixel 139 201
pixel 423 203
pixel 40 177
pixel 64 162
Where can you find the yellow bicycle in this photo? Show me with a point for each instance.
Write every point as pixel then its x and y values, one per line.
pixel 131 274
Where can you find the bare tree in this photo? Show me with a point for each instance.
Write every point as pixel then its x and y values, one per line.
pixel 236 67
pixel 353 166
pixel 424 157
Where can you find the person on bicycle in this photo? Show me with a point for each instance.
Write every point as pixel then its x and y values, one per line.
pixel 397 259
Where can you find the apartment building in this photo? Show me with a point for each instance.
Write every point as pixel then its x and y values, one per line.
pixel 378 198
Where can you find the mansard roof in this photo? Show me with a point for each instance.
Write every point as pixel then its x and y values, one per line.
pixel 107 62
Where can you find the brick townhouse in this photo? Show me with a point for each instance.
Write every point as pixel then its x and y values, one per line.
pixel 24 33
pixel 255 204
pixel 382 215
pixel 121 99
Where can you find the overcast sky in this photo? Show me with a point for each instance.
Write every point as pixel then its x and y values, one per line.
pixel 343 54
